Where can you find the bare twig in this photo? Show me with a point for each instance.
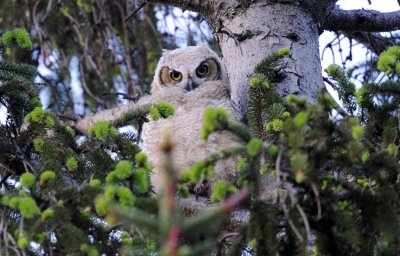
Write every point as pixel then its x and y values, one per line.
pixel 317 198
pixel 86 88
pixel 125 96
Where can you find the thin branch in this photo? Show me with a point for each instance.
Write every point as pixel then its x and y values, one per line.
pixel 87 90
pixel 318 200
pixel 83 125
pixel 362 20
pixel 130 15
pixel 201 6
pixel 373 41
pixel 124 95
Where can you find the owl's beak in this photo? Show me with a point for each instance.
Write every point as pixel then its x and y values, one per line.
pixel 190 85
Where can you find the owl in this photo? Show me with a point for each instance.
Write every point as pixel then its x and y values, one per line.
pixel 191 79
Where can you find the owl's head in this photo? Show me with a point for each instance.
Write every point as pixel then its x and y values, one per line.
pixel 187 68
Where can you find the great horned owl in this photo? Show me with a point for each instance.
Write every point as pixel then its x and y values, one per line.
pixel 191 79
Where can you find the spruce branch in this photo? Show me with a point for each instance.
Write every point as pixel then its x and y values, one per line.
pixel 11 76
pixel 239 130
pixel 220 211
pixel 25 70
pixel 130 216
pixel 132 114
pixel 224 153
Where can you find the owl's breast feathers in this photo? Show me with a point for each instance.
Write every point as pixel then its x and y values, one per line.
pixel 185 127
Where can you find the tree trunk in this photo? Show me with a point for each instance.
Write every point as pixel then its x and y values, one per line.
pixel 245 38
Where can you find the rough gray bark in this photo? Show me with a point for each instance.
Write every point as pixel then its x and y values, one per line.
pixel 248 36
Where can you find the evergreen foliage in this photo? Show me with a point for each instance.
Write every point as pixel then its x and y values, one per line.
pixel 337 177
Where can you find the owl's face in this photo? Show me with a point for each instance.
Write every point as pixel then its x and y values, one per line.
pixel 188 68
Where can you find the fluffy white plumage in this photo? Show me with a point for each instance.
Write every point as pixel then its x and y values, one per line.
pixel 191 93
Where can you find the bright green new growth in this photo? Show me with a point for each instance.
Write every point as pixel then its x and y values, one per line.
pixel 275 125
pixel 141 159
pixel 392 148
pixel 365 156
pixel 70 131
pixel 272 150
pixel 141 180
pixel 357 131
pixel 28 208
pixel 38 145
pixel 46 214
pixel 27 179
pixel 264 170
pixel 14 202
pixel 126 197
pixel 23 39
pixel 155 115
pixel 292 99
pixel 389 60
pixel 301 119
pixel 103 201
pixel 165 109
pixel 47 176
pixel 20 35
pixel 123 170
pixel 71 163
pixel 266 108
pixel 254 147
pixel 333 69
pixel 101 204
pixel 95 183
pixel 285 115
pixel 241 164
pixel 50 122
pixel 89 250
pixel 161 110
pixel 196 171
pixel 221 191
pixel 36 115
pixel 22 242
pixel 7 37
pixel 283 52
pixel 215 119
pixel 183 191
pixel 259 80
pixel 102 130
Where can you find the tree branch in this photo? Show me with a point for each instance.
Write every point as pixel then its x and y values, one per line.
pixel 362 20
pixel 200 6
pixel 373 41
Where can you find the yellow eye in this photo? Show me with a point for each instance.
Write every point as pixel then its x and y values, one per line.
pixel 202 70
pixel 175 75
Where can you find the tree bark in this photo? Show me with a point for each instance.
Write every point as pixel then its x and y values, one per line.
pixel 245 38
